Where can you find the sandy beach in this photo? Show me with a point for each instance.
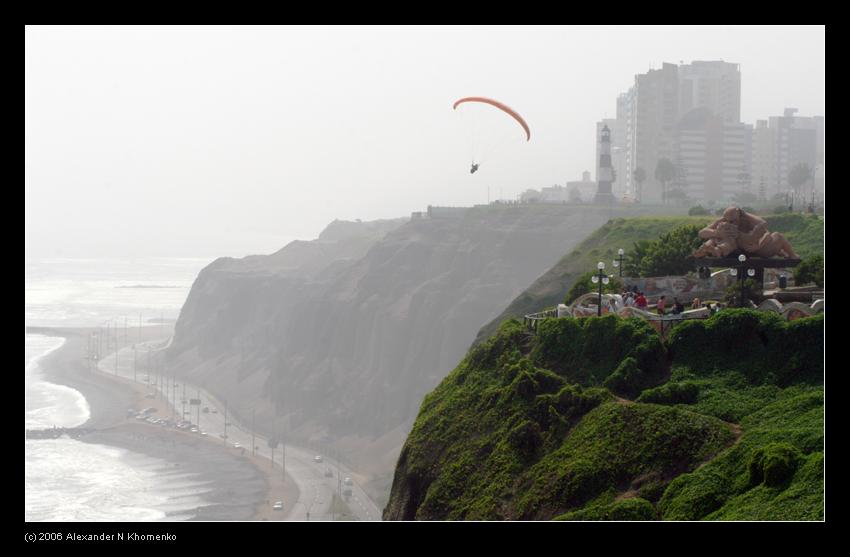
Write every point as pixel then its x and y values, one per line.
pixel 240 487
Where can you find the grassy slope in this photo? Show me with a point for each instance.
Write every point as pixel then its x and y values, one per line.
pixel 804 233
pixel 502 437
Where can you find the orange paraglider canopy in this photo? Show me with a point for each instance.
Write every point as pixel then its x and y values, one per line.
pixel 501 106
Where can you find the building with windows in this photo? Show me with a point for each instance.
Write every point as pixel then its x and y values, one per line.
pixel 713 156
pixel 715 85
pixel 656 107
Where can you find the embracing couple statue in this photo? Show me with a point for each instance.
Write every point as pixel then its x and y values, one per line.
pixel 738 230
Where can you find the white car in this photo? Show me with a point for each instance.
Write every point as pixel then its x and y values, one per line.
pixel 194 430
pixel 237 446
pixel 203 434
pixel 278 506
pixel 347 481
pixel 317 458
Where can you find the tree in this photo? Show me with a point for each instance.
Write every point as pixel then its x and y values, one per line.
pixel 665 171
pixel 631 266
pixel 584 284
pixel 668 255
pixel 639 175
pixel 799 175
pixel 697 210
pixel 810 270
pixel 679 196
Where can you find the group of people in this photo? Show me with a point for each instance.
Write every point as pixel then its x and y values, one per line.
pixel 632 297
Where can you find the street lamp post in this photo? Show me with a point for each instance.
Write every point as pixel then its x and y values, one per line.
pixel 618 263
pixel 600 278
pixel 740 273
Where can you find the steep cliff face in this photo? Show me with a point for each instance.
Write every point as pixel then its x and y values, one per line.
pixel 337 340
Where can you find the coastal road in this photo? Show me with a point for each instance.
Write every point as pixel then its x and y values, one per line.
pixel 316 490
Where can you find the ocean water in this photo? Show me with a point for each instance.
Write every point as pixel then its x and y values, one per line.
pixel 68 480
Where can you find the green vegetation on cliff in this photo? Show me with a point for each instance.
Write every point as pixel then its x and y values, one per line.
pixel 598 419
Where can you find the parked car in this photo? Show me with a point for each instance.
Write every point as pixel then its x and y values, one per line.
pixel 278 505
pixel 237 446
pixel 347 492
pixel 347 481
pixel 317 458
pixel 329 473
pixel 214 411
pixel 206 410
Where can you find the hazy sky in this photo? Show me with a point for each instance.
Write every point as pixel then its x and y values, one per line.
pixel 195 141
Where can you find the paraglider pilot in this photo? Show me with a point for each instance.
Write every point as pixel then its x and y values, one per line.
pixel 473 169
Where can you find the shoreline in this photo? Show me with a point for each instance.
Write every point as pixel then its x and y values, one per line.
pixel 241 488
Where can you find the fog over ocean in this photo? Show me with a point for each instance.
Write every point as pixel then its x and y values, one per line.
pixel 68 480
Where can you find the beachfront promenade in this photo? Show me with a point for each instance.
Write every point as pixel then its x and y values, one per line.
pixel 315 489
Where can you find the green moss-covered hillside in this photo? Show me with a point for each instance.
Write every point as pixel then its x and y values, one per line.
pixel 804 232
pixel 598 419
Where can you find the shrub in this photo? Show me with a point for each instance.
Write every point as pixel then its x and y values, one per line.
pixel 671 393
pixel 761 346
pixel 773 464
pixel 526 439
pixel 626 379
pixel 626 509
pixel 589 349
pixel 699 210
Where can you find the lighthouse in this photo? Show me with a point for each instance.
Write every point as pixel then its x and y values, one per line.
pixel 605 176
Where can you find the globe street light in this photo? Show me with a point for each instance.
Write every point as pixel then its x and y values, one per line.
pixel 741 277
pixel 602 279
pixel 618 263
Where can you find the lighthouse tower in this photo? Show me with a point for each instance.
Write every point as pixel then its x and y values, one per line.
pixel 605 176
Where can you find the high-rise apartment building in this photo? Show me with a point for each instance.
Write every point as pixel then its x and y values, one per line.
pixel 656 106
pixel 715 85
pixel 713 156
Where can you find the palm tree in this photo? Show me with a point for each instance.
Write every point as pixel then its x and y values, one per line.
pixel 665 171
pixel 799 175
pixel 639 175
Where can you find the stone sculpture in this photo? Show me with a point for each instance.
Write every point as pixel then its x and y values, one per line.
pixel 738 230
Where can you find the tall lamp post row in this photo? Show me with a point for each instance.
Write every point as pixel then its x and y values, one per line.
pixel 739 272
